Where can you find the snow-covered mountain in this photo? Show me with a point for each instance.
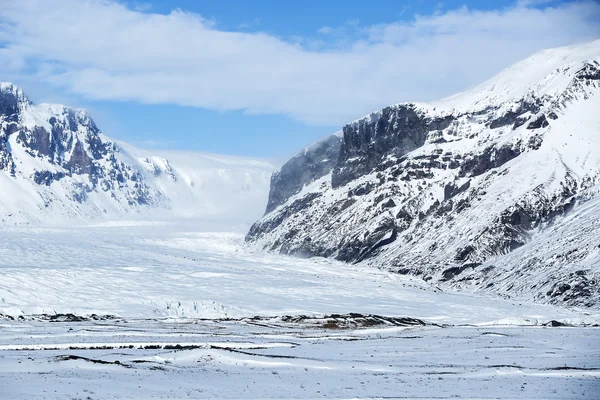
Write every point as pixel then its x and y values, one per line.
pixel 494 189
pixel 55 164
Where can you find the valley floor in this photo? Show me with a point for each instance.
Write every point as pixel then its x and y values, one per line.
pixel 174 311
pixel 220 359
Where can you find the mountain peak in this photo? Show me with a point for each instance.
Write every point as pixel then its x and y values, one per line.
pixel 9 87
pixel 546 73
pixel 12 99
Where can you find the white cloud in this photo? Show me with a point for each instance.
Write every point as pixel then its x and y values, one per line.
pixel 100 49
pixel 325 30
pixel 140 6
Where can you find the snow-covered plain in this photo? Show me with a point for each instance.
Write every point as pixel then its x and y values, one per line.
pixel 181 297
pixel 226 359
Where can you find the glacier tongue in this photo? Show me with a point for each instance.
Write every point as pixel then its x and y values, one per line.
pixel 495 189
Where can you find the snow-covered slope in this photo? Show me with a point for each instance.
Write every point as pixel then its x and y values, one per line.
pixel 55 164
pixel 494 189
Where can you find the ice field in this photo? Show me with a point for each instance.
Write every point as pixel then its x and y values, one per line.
pixel 184 310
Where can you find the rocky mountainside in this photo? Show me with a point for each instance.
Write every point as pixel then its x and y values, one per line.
pixel 312 163
pixel 494 189
pixel 55 164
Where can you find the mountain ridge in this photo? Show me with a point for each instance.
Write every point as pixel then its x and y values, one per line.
pixel 443 190
pixel 56 165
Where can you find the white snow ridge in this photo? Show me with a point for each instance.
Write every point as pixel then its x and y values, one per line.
pixel 444 250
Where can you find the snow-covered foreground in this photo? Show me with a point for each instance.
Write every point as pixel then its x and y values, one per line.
pixel 181 303
pixel 228 359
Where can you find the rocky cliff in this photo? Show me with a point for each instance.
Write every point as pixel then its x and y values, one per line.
pixel 312 163
pixel 463 192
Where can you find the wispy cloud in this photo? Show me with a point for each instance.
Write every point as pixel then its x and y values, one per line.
pixel 252 24
pixel 141 6
pixel 101 49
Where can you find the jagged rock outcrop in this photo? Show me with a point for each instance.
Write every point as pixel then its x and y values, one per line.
pixel 57 144
pixel 448 191
pixel 391 132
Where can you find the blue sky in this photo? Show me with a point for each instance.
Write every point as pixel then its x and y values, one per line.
pixel 265 78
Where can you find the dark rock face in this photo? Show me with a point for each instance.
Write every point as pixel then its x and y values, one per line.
pixel 539 122
pixel 10 100
pixel 6 161
pixel 47 177
pixel 393 131
pixel 80 162
pixel 451 190
pixel 589 72
pixel 491 157
pixel 452 272
pixel 60 142
pixel 517 117
pixel 302 169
